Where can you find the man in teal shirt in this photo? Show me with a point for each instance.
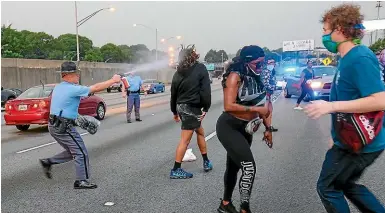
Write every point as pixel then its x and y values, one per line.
pixel 133 95
pixel 357 89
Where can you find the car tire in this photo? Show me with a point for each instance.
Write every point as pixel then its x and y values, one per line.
pixel 119 89
pixel 22 127
pixel 164 89
pixel 286 93
pixel 108 90
pixel 11 98
pixel 100 112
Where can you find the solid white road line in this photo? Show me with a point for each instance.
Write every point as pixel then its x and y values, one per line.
pixel 208 137
pixel 44 145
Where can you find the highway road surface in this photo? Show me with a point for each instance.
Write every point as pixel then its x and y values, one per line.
pixel 131 165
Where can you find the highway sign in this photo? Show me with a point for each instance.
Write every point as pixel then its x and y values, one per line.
pixel 210 67
pixel 298 45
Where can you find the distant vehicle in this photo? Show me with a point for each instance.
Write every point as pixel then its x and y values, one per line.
pixel 115 86
pixel 153 86
pixel 321 84
pixel 9 94
pixel 33 107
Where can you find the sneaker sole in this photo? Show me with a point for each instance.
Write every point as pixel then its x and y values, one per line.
pixel 207 170
pixel 78 187
pixel 180 177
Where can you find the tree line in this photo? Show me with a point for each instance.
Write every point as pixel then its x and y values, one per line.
pixel 40 45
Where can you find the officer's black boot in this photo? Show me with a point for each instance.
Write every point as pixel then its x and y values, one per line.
pixel 47 165
pixel 84 184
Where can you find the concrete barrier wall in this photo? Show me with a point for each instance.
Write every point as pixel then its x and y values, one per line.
pixel 25 73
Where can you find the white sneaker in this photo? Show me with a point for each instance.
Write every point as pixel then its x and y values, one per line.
pixel 189 156
pixel 298 108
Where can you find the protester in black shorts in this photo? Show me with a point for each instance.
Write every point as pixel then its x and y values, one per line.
pixel 190 100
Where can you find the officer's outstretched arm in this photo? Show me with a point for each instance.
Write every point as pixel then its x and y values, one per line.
pixel 104 85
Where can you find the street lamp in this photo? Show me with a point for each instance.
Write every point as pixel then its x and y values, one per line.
pixel 79 23
pixel 163 40
pixel 156 37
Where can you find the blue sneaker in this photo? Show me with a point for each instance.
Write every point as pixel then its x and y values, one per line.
pixel 207 166
pixel 180 174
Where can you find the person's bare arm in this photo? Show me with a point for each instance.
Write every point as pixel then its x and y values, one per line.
pixel 302 78
pixel 230 94
pixel 372 103
pixel 104 85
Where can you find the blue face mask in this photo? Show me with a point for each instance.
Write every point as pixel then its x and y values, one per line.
pixel 270 67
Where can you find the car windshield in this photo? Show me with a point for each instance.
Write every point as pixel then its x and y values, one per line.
pixel 36 92
pixel 324 71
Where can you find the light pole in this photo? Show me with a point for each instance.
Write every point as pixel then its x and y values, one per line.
pixel 156 37
pixel 79 23
pixel 378 6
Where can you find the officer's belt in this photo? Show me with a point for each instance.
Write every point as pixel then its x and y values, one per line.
pixel 57 119
pixel 128 91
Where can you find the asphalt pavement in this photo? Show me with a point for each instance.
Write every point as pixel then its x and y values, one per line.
pixel 131 165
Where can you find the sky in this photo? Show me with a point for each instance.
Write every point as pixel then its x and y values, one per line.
pixel 208 25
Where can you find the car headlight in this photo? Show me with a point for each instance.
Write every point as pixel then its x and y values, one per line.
pixel 316 84
pixel 280 83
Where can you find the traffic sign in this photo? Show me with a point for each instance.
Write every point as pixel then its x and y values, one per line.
pixel 210 67
pixel 298 45
pixel 327 61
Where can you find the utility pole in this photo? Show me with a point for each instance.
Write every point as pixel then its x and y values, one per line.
pixel 378 6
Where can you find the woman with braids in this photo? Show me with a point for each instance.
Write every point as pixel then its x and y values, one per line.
pixel 190 101
pixel 245 107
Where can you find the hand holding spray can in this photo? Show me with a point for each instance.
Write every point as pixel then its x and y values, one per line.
pixel 125 82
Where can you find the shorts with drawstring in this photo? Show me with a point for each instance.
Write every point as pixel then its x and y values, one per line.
pixel 189 116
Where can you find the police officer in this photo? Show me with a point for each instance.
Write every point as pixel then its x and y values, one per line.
pixel 64 110
pixel 133 95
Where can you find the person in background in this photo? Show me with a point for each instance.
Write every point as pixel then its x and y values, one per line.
pixel 357 88
pixel 306 76
pixel 190 101
pixel 133 95
pixel 270 90
pixel 63 113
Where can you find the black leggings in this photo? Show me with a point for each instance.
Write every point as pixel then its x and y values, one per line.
pixel 306 89
pixel 231 133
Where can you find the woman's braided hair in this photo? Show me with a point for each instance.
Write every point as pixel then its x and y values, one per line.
pixel 187 57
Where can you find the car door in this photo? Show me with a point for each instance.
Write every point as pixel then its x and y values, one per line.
pixel 159 86
pixel 92 104
pixel 85 106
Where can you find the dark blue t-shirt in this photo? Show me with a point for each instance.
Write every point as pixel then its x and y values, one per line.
pixel 358 76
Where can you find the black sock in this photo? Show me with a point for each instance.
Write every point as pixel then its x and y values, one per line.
pixel 176 165
pixel 205 157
